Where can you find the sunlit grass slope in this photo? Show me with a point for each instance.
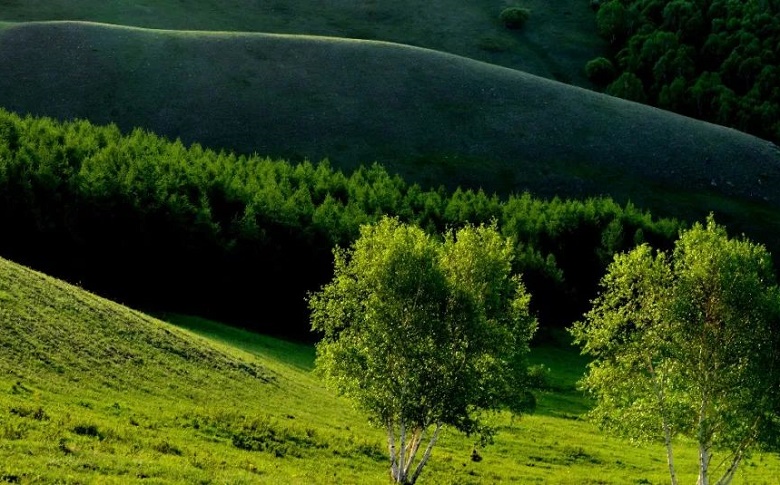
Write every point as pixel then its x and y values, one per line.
pixel 556 43
pixel 91 391
pixel 434 118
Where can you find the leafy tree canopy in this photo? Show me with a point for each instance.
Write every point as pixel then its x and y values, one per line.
pixel 715 60
pixel 164 227
pixel 688 343
pixel 423 333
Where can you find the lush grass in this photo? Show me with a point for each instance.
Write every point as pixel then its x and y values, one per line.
pixel 556 43
pixel 433 118
pixel 92 391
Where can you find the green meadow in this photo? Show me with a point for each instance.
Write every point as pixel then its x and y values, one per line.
pixel 462 116
pixel 91 391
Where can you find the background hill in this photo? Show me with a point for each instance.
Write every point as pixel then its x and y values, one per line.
pixel 93 391
pixel 556 43
pixel 432 117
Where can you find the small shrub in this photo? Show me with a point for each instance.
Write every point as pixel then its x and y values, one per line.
pixel 13 430
pixel 514 17
pixel 167 448
pixel 370 450
pixel 577 454
pixel 539 377
pixel 24 412
pixel 20 388
pixel 263 434
pixel 10 478
pixel 600 71
pixel 66 447
pixel 88 430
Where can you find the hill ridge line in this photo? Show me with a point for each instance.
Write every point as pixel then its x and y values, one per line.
pixel 430 116
pixel 350 41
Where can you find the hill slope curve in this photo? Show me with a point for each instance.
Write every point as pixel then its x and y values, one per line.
pixel 433 117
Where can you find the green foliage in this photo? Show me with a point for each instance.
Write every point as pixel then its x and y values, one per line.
pixel 712 60
pixel 171 419
pixel 627 86
pixel 688 343
pixel 422 333
pixel 614 22
pixel 129 215
pixel 514 17
pixel 600 71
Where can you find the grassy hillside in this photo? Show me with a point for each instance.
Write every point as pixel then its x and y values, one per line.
pixel 92 391
pixel 556 43
pixel 432 117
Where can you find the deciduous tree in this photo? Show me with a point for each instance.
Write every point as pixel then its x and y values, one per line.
pixel 688 343
pixel 423 333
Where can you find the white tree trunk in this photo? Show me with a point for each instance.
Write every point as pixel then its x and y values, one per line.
pixel 659 390
pixel 391 450
pixel 426 455
pixel 411 449
pixel 705 437
pixel 669 453
pixel 402 454
pixel 704 465
pixel 401 477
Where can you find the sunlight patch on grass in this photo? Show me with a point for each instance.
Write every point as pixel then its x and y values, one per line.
pixel 184 405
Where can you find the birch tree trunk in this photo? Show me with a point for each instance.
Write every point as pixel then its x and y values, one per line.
pixel 401 477
pixel 411 449
pixel 704 465
pixel 669 453
pixel 659 390
pixel 426 455
pixel 402 457
pixel 391 450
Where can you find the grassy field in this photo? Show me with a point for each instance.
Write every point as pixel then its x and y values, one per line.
pixel 91 391
pixel 432 117
pixel 556 43
pixel 94 392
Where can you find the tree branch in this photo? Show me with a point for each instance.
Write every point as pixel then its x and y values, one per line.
pixel 427 454
pixel 739 453
pixel 412 448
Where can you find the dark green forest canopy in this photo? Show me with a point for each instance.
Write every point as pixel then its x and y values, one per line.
pixel 716 60
pixel 163 226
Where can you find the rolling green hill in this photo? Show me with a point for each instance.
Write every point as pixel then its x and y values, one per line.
pixel 556 43
pixel 91 391
pixel 434 118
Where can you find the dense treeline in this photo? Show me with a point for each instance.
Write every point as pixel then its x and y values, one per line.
pixel 715 60
pixel 166 227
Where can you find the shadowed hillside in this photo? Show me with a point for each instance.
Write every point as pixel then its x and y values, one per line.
pixel 556 43
pixel 434 118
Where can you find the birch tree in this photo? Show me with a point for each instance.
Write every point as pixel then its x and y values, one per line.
pixel 424 333
pixel 688 343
